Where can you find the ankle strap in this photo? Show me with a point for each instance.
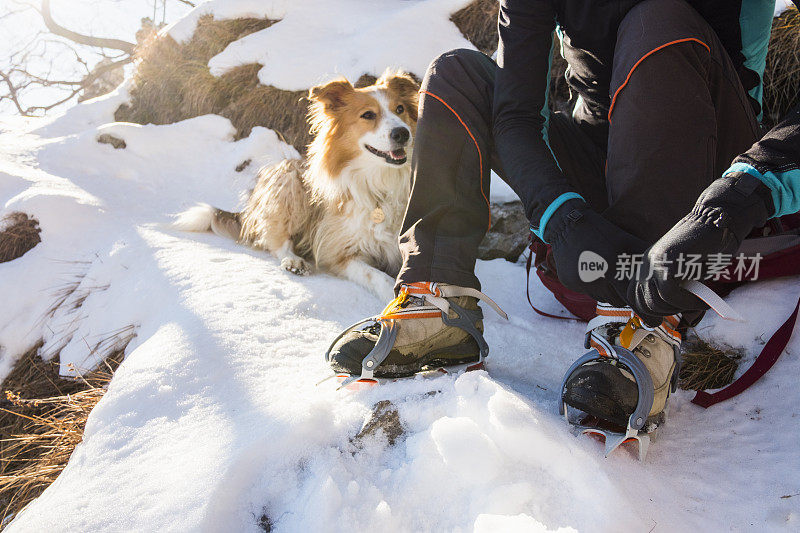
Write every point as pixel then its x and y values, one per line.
pixel 453 291
pixel 435 295
pixel 608 314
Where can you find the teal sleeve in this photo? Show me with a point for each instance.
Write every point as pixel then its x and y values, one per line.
pixel 785 186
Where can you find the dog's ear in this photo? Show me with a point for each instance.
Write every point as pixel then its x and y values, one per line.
pixel 401 82
pixel 332 95
pixel 405 86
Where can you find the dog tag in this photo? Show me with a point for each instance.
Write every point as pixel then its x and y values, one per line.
pixel 377 215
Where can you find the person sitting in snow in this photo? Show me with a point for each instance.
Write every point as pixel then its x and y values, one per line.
pixel 668 96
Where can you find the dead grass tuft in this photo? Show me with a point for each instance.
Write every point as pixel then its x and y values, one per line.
pixel 782 72
pixel 42 417
pixel 18 234
pixel 478 24
pixel 173 83
pixel 707 367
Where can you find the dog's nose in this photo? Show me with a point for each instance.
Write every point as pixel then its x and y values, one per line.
pixel 399 135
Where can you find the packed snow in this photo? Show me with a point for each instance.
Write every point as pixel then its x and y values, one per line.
pixel 216 418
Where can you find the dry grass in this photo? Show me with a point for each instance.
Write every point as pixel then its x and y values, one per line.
pixel 173 83
pixel 478 24
pixel 707 367
pixel 782 73
pixel 18 234
pixel 42 418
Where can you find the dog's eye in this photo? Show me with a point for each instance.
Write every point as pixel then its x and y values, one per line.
pixel 399 110
pixel 368 115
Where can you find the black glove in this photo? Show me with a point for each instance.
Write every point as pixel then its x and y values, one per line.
pixel 726 212
pixel 582 242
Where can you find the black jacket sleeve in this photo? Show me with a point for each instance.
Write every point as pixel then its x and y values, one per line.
pixel 775 160
pixel 520 111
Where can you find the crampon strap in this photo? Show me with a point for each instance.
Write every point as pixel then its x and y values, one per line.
pixel 435 295
pixel 437 306
pixel 607 314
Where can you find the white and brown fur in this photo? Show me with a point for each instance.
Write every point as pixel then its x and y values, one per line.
pixel 323 210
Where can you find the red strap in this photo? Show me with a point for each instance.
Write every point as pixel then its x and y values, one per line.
pixel 772 350
pixel 528 264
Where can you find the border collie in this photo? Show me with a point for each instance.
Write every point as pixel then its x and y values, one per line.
pixel 341 209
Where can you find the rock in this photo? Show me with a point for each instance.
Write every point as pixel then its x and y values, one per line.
pixel 243 165
pixel 384 418
pixel 508 236
pixel 264 523
pixel 116 142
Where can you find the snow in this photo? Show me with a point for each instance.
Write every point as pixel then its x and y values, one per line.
pixel 92 113
pixel 500 191
pixel 80 188
pixel 216 417
pixel 304 48
pixel 781 6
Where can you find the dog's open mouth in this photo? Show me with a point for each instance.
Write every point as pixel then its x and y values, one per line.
pixel 395 157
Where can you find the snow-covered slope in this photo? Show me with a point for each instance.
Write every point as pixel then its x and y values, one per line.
pixel 215 417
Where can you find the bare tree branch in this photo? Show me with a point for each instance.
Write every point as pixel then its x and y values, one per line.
pixel 85 82
pixel 12 92
pixel 46 108
pixel 51 66
pixel 99 42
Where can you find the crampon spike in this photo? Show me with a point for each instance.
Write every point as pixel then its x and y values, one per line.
pixel 357 383
pixel 614 440
pixel 354 383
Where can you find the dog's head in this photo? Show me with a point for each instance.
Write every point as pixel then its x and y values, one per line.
pixel 374 124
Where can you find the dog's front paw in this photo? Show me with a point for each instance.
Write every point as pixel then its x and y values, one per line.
pixel 295 265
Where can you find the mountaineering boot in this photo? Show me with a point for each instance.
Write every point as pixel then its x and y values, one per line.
pixel 434 326
pixel 605 388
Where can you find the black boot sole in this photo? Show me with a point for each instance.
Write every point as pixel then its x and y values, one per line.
pixel 460 354
pixel 600 390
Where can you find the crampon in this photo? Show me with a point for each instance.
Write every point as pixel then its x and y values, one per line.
pixel 436 305
pixel 640 429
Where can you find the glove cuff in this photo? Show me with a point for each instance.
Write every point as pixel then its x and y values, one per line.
pixel 567 214
pixel 750 186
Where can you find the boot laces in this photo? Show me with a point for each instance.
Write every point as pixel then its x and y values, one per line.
pixel 619 326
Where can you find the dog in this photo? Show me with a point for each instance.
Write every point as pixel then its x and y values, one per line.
pixel 342 207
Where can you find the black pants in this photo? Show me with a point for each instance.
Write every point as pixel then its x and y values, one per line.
pixel 679 116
